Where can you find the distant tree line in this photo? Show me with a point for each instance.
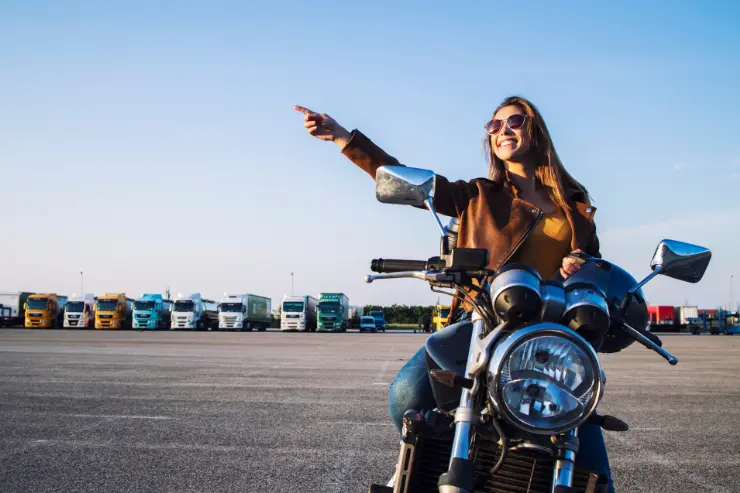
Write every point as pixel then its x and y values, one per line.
pixel 403 314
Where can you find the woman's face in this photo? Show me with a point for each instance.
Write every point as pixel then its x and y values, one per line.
pixel 510 144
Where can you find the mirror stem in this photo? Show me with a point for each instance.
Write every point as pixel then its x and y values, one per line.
pixel 655 272
pixel 430 205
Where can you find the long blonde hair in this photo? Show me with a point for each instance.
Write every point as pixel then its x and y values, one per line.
pixel 549 170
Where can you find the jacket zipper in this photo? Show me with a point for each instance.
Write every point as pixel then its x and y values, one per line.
pixel 519 243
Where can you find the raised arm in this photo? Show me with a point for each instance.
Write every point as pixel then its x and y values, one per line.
pixel 451 198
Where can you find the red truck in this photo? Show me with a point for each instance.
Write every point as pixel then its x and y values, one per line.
pixel 661 315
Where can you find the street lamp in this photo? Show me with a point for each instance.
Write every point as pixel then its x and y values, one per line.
pixel 82 284
pixel 731 276
pixel 291 285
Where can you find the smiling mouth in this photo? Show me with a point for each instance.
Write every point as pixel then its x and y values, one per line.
pixel 507 143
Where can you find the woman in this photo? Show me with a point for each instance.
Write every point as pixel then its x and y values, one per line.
pixel 530 210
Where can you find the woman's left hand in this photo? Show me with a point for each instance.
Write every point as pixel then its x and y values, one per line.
pixel 571 264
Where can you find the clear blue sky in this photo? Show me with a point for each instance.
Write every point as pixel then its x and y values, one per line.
pixel 154 144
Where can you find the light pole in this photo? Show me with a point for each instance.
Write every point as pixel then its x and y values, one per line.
pixel 291 285
pixel 82 284
pixel 731 276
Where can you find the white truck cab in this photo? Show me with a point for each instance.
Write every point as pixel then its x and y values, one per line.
pixel 78 312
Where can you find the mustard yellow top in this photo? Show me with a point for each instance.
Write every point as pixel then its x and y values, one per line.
pixel 547 244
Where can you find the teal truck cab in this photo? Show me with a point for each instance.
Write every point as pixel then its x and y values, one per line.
pixel 333 312
pixel 152 311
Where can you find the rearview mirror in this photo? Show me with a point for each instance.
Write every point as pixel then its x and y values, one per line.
pixel 404 185
pixel 407 186
pixel 682 261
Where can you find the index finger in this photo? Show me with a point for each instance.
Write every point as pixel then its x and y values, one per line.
pixel 303 110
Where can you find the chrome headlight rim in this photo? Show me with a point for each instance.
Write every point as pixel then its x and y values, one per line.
pixel 503 351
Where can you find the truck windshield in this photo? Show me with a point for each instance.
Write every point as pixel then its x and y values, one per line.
pixel 183 306
pixel 37 303
pixel 231 307
pixel 293 306
pixel 444 313
pixel 75 307
pixel 143 305
pixel 367 320
pixel 330 307
pixel 107 305
pixel 376 314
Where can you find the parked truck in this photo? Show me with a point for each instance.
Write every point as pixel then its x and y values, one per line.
pixel 79 312
pixel 298 313
pixel 191 311
pixel 440 316
pixel 379 317
pixel 333 312
pixel 152 311
pixel 14 312
pixel 113 311
pixel 661 317
pixel 244 312
pixel 355 316
pixel 45 310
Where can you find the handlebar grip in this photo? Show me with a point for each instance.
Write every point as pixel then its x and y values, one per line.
pixel 387 265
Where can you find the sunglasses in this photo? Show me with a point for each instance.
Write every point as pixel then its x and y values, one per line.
pixel 514 122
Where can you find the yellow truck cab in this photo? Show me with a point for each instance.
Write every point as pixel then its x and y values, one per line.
pixel 44 310
pixel 113 311
pixel 441 315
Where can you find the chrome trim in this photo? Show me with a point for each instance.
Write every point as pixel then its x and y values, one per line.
pixel 463 437
pixel 533 446
pixel 451 489
pixel 424 275
pixel 464 414
pixel 403 471
pixel 429 203
pixel 481 351
pixel 583 296
pixel 564 469
pixel 553 303
pixel 512 278
pixel 679 260
pixel 504 349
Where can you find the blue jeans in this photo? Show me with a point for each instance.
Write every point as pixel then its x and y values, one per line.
pixel 411 390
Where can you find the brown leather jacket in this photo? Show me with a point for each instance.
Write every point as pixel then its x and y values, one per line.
pixel 491 214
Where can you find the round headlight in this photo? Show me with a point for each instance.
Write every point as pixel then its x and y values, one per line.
pixel 545 379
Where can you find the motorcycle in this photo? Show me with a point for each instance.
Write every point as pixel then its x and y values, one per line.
pixel 514 384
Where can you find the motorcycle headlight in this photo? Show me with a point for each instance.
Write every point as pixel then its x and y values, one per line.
pixel 545 379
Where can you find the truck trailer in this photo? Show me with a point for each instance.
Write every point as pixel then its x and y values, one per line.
pixel 14 312
pixel 79 312
pixel 113 311
pixel 244 312
pixel 152 311
pixel 298 313
pixel 45 311
pixel 333 312
pixel 193 312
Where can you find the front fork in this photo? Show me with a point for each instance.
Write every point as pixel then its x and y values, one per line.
pixel 565 464
pixel 459 477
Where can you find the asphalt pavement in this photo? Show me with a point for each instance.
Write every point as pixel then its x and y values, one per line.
pixel 92 411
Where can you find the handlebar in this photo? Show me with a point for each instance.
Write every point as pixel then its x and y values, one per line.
pixel 396 265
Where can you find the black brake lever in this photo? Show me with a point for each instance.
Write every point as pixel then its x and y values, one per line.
pixel 648 342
